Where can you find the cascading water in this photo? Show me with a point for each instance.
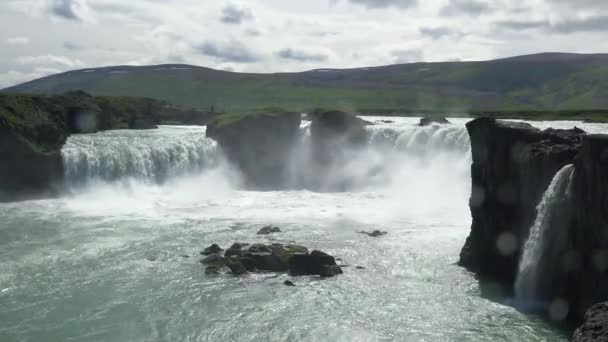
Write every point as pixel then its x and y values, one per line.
pixel 151 156
pixel 543 233
pixel 394 154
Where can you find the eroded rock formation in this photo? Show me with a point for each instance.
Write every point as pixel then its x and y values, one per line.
pixel 513 164
pixel 259 145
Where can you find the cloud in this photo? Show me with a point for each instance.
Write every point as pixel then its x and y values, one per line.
pixel 302 56
pixel 232 14
pixel 68 9
pixel 591 24
pixel 522 25
pixel 232 51
pixel 386 3
pixel 569 26
pixel 592 4
pixel 46 60
pixel 13 77
pixel 465 7
pixel 407 56
pixel 71 46
pixel 437 32
pixel 18 41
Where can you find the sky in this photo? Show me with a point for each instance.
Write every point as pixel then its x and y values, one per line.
pixel 43 37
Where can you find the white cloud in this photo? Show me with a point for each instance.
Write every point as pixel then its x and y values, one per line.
pixel 278 35
pixel 18 41
pixel 46 60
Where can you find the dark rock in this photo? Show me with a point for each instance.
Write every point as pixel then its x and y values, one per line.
pixel 269 230
pixel 375 233
pixel 241 258
pixel 213 249
pixel 336 137
pixel 513 164
pixel 185 256
pixel 273 258
pixel 260 145
pixel 311 264
pixel 427 121
pixel 289 283
pixel 212 258
pixel 237 267
pixel 595 325
pixel 328 271
pixel 247 263
pixel 387 121
pixel 360 267
pixel 217 265
pixel 152 258
pixel 236 249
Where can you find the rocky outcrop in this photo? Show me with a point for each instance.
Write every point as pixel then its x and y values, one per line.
pixel 243 258
pixel 269 230
pixel 335 139
pixel 513 163
pixel 427 121
pixel 582 279
pixel 332 131
pixel 595 325
pixel 375 233
pixel 32 132
pixel 259 145
pixel 34 128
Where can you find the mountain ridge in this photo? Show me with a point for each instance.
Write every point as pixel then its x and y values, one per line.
pixel 564 81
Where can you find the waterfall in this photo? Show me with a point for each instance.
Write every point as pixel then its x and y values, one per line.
pixel 151 156
pixel 399 156
pixel 396 155
pixel 528 288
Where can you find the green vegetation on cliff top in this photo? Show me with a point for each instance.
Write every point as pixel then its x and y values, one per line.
pixel 544 83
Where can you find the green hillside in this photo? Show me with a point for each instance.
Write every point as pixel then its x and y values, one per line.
pixel 543 82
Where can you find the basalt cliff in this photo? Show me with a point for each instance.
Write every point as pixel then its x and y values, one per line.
pixel 513 165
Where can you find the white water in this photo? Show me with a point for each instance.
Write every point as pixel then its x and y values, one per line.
pixel 78 268
pixel 541 233
pixel 151 156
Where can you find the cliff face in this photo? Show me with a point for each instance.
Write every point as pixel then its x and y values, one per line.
pixel 32 132
pixel 513 163
pixel 260 145
pixel 335 139
pixel 583 279
pixel 34 128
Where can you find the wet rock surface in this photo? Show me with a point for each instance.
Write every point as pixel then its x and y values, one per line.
pixel 259 145
pixel 269 230
pixel 374 233
pixel 427 121
pixel 242 258
pixel 513 164
pixel 213 249
pixel 595 326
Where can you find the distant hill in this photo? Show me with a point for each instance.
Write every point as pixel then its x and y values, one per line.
pixel 545 82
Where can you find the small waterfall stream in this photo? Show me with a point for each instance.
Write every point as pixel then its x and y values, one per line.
pixel 528 291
